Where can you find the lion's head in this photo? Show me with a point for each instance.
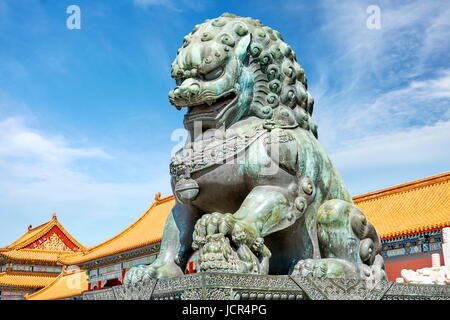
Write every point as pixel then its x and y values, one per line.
pixel 231 67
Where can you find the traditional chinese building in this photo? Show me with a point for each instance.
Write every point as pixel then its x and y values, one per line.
pixel 31 262
pixel 409 218
pixel 138 244
pixel 69 285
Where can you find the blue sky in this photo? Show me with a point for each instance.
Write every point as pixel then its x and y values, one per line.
pixel 86 126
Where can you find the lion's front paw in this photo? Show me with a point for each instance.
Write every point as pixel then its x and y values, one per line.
pixel 226 224
pixel 210 224
pixel 229 244
pixel 327 268
pixel 154 271
pixel 135 275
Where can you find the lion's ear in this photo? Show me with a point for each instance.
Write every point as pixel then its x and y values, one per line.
pixel 242 46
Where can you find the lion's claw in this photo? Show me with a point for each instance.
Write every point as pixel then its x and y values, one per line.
pixel 136 274
pixel 225 224
pixel 213 234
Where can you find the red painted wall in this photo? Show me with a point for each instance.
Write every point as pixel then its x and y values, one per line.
pixel 393 269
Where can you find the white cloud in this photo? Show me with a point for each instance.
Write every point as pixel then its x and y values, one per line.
pixel 95 193
pixel 391 91
pixel 423 145
pixel 422 102
pixel 382 81
pixel 411 44
pixel 433 88
pixel 40 170
pixel 18 141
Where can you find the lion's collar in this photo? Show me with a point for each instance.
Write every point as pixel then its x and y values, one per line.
pixel 205 153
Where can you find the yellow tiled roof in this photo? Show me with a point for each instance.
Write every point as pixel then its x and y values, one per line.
pixel 67 284
pixel 18 251
pixel 34 255
pixel 27 280
pixel 146 230
pixel 411 207
pixel 35 233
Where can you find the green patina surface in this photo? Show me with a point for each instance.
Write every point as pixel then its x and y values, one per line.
pixel 242 82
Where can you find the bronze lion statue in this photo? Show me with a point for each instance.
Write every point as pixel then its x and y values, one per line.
pixel 255 192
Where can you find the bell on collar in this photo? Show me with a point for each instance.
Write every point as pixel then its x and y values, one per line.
pixel 186 190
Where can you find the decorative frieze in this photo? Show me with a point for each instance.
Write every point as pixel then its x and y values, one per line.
pixel 115 271
pixel 50 269
pixel 139 261
pixel 148 250
pixel 13 295
pixel 412 244
pixel 30 268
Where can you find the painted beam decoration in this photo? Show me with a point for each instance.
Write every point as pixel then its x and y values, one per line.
pixel 117 271
pixel 413 244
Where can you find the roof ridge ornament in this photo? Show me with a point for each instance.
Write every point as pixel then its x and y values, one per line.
pixel 158 197
pixel 54 216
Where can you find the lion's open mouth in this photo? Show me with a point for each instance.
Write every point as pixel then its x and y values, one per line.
pixel 213 109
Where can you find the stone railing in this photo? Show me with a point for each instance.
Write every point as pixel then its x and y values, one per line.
pixel 225 286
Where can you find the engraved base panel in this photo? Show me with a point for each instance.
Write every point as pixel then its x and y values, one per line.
pixel 226 286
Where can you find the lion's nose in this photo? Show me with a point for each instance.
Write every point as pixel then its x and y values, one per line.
pixel 187 90
pixel 175 93
pixel 190 90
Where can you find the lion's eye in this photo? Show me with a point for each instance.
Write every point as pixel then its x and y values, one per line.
pixel 214 74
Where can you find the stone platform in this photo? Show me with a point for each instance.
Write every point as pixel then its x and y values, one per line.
pixel 226 286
